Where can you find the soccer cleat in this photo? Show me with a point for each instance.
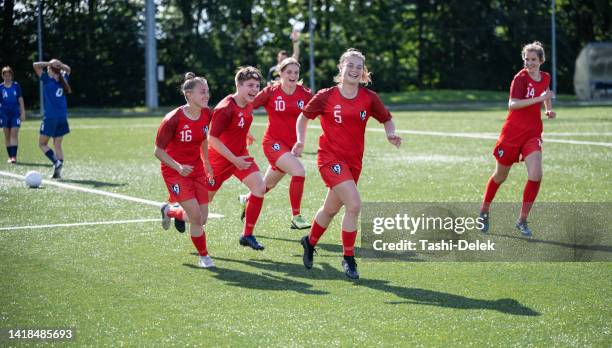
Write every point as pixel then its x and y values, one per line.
pixel 179 225
pixel 309 251
pixel 12 160
pixel 57 170
pixel 484 219
pixel 525 230
pixel 243 199
pixel 251 242
pixel 350 267
pixel 206 262
pixel 298 223
pixel 165 218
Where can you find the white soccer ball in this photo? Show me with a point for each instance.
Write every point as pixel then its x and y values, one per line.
pixel 33 179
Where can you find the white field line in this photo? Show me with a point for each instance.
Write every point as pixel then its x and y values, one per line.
pixel 466 135
pixel 98 192
pixel 32 227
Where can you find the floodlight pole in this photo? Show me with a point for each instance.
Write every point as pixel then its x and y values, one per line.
pixel 150 57
pixel 311 45
pixel 554 49
pixel 40 55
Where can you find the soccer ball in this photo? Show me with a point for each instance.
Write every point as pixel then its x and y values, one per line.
pixel 33 179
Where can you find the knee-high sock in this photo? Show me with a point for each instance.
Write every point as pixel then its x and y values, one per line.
pixel 489 194
pixel 316 231
pixel 348 242
pixel 296 189
pixel 200 244
pixel 253 208
pixel 529 195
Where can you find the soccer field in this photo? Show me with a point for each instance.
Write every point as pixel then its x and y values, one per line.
pixel 132 283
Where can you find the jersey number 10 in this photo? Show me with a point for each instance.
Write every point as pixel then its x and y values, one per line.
pixel 279 105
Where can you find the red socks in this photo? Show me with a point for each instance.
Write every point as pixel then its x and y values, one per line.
pixel 490 192
pixel 177 213
pixel 529 196
pixel 348 242
pixel 253 208
pixel 200 244
pixel 296 188
pixel 316 231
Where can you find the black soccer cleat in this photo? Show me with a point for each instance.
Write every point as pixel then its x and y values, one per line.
pixel 57 170
pixel 350 267
pixel 309 251
pixel 251 242
pixel 484 219
pixel 525 230
pixel 179 225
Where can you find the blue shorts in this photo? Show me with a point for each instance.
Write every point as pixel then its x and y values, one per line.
pixel 9 118
pixel 54 127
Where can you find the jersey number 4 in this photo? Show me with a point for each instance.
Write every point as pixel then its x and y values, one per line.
pixel 186 135
pixel 241 122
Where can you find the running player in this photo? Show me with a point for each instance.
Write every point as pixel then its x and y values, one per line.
pixel 182 148
pixel 283 102
pixel 521 135
pixel 228 152
pixel 55 121
pixel 12 112
pixel 344 111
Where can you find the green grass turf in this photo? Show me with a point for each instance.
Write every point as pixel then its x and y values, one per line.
pixel 451 96
pixel 137 284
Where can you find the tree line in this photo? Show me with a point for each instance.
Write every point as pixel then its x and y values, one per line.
pixel 410 44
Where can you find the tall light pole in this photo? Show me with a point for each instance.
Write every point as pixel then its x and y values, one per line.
pixel 311 24
pixel 554 49
pixel 40 55
pixel 150 57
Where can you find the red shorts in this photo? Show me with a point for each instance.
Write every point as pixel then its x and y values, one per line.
pixel 224 169
pixel 274 149
pixel 183 188
pixel 334 172
pixel 510 154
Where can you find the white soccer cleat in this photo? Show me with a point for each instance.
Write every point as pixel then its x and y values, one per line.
pixel 165 208
pixel 243 199
pixel 206 262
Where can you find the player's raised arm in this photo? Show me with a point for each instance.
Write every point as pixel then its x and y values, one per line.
pixel 39 66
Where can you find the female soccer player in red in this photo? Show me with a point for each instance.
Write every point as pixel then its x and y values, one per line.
pixel 182 147
pixel 521 135
pixel 344 111
pixel 228 153
pixel 283 101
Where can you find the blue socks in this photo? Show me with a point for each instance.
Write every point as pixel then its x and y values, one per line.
pixel 51 156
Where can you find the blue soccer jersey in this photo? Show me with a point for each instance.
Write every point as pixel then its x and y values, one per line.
pixel 9 96
pixel 54 98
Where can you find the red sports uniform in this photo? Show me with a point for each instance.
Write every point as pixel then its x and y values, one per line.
pixel 230 123
pixel 182 139
pixel 343 121
pixel 521 134
pixel 283 111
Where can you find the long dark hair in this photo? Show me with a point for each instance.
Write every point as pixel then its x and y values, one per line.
pixel 62 80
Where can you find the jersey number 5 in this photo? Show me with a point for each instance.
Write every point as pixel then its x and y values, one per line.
pixel 186 135
pixel 337 116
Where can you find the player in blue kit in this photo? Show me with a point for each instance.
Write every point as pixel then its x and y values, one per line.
pixel 12 112
pixel 55 121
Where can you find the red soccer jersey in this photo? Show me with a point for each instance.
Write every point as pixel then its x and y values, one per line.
pixel 283 111
pixel 344 122
pixel 182 138
pixel 524 123
pixel 230 123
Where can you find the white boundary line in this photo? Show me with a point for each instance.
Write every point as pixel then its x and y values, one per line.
pixel 32 227
pixel 98 192
pixel 466 135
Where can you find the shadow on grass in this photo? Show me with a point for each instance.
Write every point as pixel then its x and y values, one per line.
pixel 93 183
pixel 29 164
pixel 263 281
pixel 604 248
pixel 324 271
